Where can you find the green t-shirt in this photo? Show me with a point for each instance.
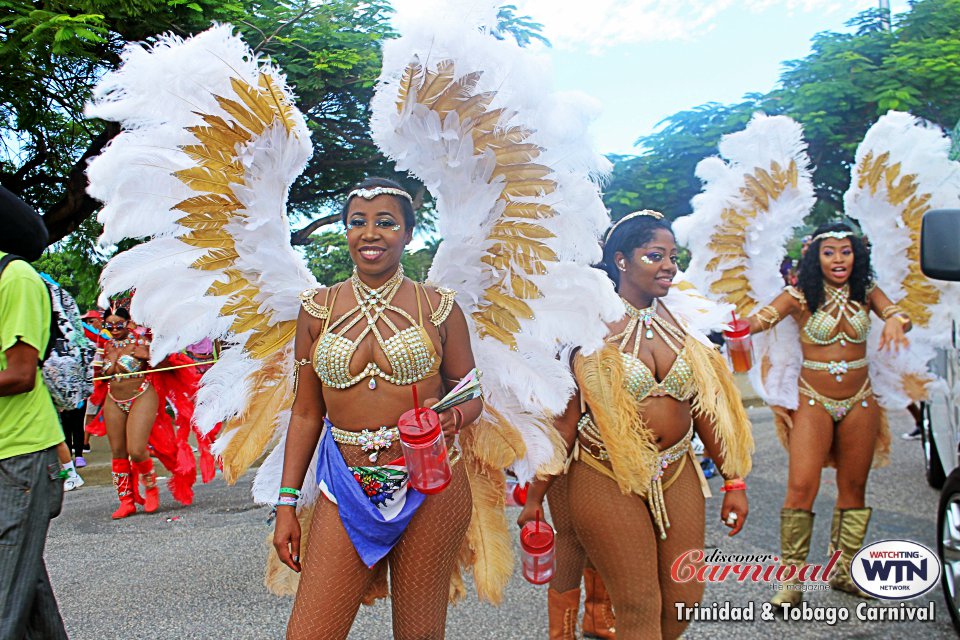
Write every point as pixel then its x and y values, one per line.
pixel 28 421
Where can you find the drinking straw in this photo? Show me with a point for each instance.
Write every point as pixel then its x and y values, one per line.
pixel 416 407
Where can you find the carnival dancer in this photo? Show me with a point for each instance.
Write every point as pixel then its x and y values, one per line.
pixel 134 400
pixel 361 347
pixel 838 421
pixel 825 373
pixel 635 490
pixel 519 236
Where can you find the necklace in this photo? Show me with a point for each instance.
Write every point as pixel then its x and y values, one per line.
pixel 120 344
pixel 370 298
pixel 651 321
pixel 641 316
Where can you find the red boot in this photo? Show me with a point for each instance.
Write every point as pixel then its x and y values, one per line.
pixel 121 480
pixel 151 494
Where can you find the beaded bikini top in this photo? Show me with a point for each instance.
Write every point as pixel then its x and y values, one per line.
pixel 823 327
pixel 410 351
pixel 640 381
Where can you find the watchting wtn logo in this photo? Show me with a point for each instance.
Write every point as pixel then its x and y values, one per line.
pixel 895 569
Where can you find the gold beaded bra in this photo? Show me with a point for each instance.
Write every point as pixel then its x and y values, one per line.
pixel 640 381
pixel 410 351
pixel 823 327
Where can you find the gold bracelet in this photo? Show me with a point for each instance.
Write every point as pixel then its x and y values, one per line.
pixel 772 318
pixel 891 310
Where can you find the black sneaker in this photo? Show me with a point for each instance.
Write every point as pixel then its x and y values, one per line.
pixel 913 435
pixel 86 448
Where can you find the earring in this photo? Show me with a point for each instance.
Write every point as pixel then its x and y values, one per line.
pixel 621 265
pixel 646 260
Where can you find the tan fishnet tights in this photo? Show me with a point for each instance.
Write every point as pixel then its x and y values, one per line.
pixel 569 554
pixel 619 535
pixel 334 578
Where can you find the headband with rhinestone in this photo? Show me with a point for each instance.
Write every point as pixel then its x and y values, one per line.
pixel 373 192
pixel 656 215
pixel 836 235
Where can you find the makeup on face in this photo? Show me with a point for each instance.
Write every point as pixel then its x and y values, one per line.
pixel 836 260
pixel 376 235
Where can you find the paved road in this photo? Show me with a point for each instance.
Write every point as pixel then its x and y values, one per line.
pixel 196 571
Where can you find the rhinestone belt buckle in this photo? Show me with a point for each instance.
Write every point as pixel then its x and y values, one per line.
pixel 382 438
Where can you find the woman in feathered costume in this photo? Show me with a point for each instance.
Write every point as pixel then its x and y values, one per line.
pixel 510 167
pixel 838 422
pixel 377 332
pixel 134 400
pixel 635 493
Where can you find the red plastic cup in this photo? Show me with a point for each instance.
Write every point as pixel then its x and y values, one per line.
pixel 536 552
pixel 739 345
pixel 424 450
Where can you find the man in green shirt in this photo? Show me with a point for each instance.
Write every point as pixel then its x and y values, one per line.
pixel 31 491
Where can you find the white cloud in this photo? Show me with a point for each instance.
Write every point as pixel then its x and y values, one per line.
pixel 600 24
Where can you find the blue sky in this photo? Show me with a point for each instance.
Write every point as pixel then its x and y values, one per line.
pixel 646 59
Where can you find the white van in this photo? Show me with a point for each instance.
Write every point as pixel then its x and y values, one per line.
pixel 940 260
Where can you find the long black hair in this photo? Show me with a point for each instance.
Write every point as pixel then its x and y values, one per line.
pixel 406 207
pixel 627 236
pixel 810 275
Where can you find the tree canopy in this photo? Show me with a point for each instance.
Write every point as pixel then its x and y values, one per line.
pixel 837 92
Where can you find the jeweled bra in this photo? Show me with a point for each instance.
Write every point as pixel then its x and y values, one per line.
pixel 409 351
pixel 640 380
pixel 823 327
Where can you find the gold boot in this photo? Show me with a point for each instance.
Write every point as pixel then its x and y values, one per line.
pixel 846 535
pixel 562 608
pixel 796 529
pixel 598 621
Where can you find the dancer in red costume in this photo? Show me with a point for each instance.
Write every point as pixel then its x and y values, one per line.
pixel 134 399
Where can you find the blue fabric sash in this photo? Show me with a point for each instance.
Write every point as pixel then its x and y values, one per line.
pixel 370 532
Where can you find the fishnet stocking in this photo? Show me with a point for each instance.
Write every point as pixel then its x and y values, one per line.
pixel 334 579
pixel 332 583
pixel 569 554
pixel 618 534
pixel 423 560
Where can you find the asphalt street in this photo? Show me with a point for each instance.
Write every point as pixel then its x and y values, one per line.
pixel 192 572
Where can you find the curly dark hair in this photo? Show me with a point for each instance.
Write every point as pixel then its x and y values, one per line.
pixel 810 275
pixel 626 237
pixel 406 207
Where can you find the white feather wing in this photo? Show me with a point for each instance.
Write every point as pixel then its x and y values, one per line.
pixel 512 170
pixel 210 145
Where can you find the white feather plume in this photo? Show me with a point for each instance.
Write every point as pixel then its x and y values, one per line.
pixel 755 195
pixel 162 95
pixel 527 381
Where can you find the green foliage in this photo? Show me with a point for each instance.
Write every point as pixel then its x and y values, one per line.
pixel 76 265
pixel 837 92
pixel 329 258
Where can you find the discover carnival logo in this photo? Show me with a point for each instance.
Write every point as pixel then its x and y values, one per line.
pixel 895 569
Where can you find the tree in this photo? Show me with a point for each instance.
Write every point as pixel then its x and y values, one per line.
pixel 51 57
pixel 837 92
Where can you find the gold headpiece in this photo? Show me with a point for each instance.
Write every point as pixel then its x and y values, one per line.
pixel 630 216
pixel 836 235
pixel 373 192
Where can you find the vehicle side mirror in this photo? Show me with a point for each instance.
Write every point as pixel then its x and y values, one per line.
pixel 940 244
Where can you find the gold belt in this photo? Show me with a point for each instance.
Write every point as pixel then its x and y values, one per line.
pixel 379 440
pixel 674 453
